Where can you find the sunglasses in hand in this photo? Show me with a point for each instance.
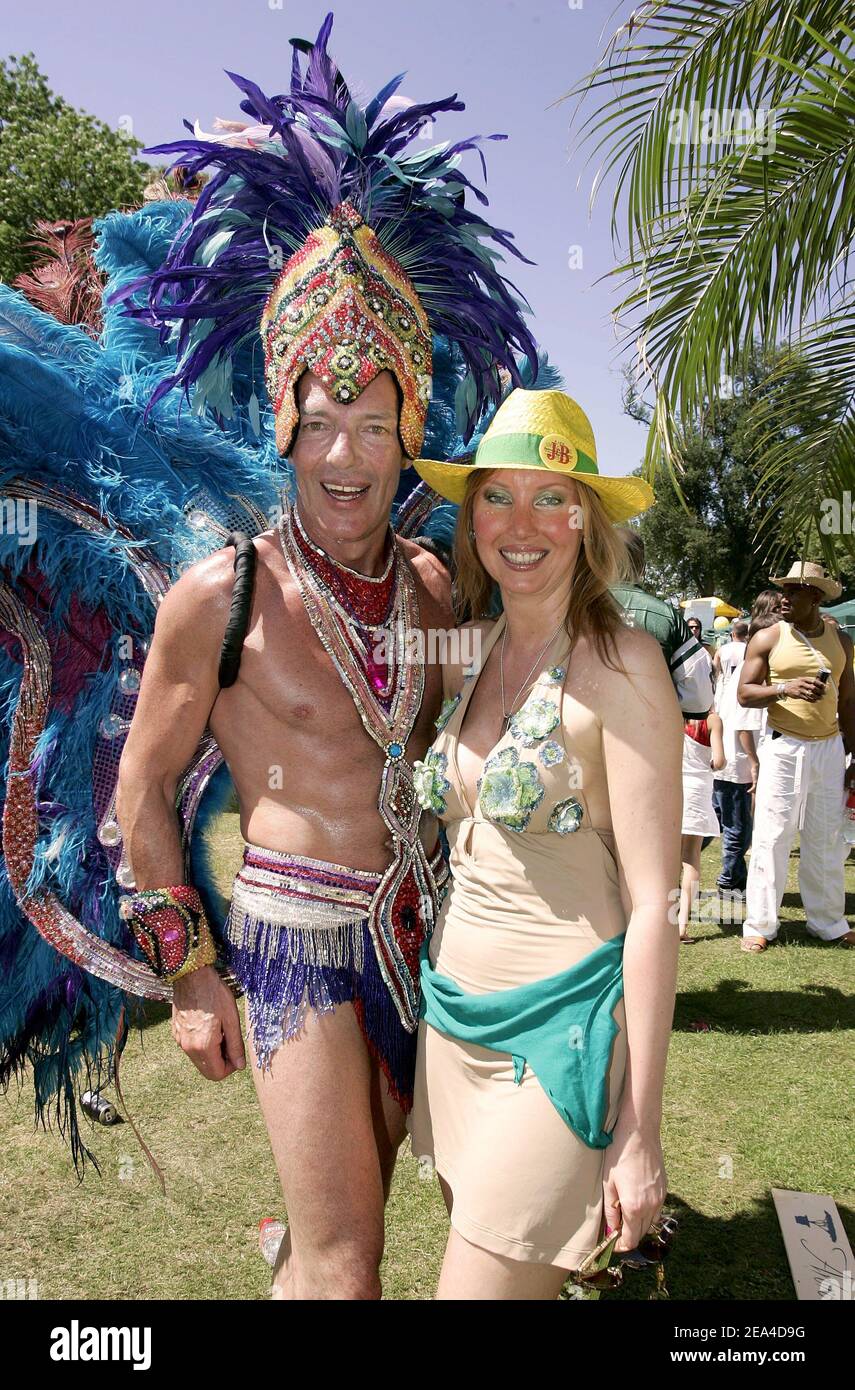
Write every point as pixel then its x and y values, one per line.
pixel 598 1274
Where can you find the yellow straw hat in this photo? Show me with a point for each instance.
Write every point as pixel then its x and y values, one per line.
pixel 547 430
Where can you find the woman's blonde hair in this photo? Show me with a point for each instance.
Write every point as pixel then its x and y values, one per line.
pixel 603 560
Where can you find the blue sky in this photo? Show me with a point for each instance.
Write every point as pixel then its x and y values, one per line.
pixel 151 64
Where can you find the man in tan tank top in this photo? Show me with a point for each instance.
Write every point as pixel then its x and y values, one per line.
pixel 800 670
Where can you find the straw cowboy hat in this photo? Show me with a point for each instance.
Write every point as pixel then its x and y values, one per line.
pixel 806 572
pixel 544 430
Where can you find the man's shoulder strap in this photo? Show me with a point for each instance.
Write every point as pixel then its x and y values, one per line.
pixel 245 562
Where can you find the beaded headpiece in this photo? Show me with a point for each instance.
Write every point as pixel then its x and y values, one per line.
pixel 351 252
pixel 346 310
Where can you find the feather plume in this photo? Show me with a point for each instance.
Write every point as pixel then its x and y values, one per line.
pixel 64 281
pixel 323 148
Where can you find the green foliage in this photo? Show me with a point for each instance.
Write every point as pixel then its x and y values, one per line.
pixel 56 162
pixel 726 531
pixel 737 232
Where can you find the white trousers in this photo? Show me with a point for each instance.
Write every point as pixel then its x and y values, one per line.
pixel 800 787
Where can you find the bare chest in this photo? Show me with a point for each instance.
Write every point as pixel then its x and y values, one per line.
pixel 289 689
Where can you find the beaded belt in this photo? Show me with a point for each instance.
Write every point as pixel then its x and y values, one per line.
pixel 314 901
pixel 297 937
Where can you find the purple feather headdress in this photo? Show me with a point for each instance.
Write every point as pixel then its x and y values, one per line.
pixel 277 180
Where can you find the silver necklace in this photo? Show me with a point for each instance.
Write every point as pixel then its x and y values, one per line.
pixel 506 716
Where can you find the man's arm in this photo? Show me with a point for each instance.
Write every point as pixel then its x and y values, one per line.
pixel 179 686
pixel 846 704
pixel 754 690
pixel 718 758
pixel 178 690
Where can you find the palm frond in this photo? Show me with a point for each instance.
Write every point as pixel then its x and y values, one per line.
pixel 675 57
pixel 807 438
pixel 735 242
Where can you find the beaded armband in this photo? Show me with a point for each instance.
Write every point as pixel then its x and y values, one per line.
pixel 171 929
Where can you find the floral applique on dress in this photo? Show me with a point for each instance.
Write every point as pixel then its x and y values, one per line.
pixel 430 782
pixel 566 817
pixel 551 753
pixel 448 708
pixel 536 719
pixel 509 790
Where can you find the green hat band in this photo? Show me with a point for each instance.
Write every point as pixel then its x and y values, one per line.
pixel 523 450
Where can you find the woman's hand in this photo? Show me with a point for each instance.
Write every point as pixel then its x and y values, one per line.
pixel 634 1184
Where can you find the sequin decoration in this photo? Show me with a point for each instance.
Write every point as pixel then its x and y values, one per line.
pixel 346 310
pixel 297 940
pixel 534 721
pixel 566 817
pixel 405 903
pixel 59 927
pixel 551 753
pixel 129 680
pixel 509 790
pixel 367 603
pixel 171 929
pixel 432 785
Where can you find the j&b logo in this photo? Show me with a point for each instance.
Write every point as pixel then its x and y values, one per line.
pixel 557 453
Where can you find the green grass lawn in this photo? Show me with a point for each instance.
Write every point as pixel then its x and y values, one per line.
pixel 758 1095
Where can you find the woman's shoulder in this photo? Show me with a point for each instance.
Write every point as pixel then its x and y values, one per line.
pixel 463 651
pixel 636 644
pixel 636 650
pixel 644 677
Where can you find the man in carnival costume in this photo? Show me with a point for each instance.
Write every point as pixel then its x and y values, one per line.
pixel 353 261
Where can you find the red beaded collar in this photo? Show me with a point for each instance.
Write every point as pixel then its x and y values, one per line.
pixel 367 599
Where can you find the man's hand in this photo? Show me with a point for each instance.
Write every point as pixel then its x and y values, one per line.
pixel 755 773
pixel 206 1023
pixel 804 688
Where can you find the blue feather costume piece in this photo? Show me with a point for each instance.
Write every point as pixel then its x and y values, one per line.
pixel 73 416
pixel 133 487
pixel 72 419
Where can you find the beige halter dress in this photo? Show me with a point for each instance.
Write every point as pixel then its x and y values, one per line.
pixel 534 889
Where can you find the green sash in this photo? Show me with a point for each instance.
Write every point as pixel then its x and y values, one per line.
pixel 562 1026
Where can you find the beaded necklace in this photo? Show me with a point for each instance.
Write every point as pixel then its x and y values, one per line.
pixel 333 597
pixel 364 606
pixel 367 599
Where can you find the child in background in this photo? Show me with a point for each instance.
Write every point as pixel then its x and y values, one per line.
pixel 703 755
pixel 734 784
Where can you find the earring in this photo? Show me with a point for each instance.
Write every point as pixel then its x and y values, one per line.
pixel 471 533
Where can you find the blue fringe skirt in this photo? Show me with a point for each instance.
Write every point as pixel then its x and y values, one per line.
pixel 297 938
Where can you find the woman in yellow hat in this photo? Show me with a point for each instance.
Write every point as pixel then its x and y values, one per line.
pixel 548 985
